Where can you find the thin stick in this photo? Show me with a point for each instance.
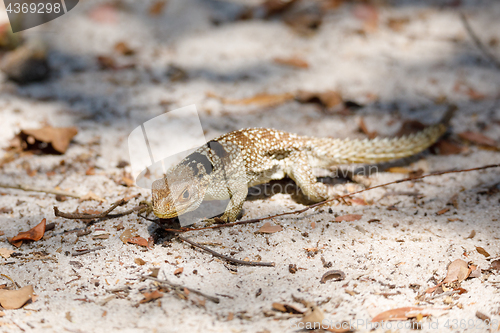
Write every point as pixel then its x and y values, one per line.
pixel 40 189
pixel 85 216
pixel 74 254
pixel 333 199
pixel 233 260
pixel 180 287
pixel 478 42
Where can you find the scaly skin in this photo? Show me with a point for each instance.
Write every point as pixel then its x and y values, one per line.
pixel 227 166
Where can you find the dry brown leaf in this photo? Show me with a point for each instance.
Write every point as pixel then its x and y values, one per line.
pixel 104 13
pixel 273 7
pixel 495 264
pixel 458 270
pixel 6 252
pixel 364 129
pixel 34 234
pixel 448 147
pixel 123 48
pixel 179 271
pixel 139 241
pixel 148 297
pixel 399 314
pixel 482 251
pixel 313 318
pixel 442 211
pixel 157 7
pixel 358 201
pixel 292 62
pixel 286 308
pixel 368 14
pixel 477 138
pixel 58 137
pixel 139 261
pixel 399 170
pixel 127 234
pixel 472 234
pixel 328 98
pixel 397 24
pixel 267 228
pixel 91 196
pixel 262 100
pixel 348 217
pixel 14 299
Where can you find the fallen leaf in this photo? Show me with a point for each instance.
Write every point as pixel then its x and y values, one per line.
pixel 34 234
pixel 442 211
pixel 104 13
pixel 292 62
pixel 397 23
pixel 5 210
pixel 482 316
pixel 364 129
pixel 335 275
pixel 448 147
pixel 139 241
pixel 58 138
pixel 368 14
pixel 475 272
pixel 495 264
pixel 127 234
pixel 148 297
pixel 286 308
pixel 482 251
pixel 267 228
pixel 399 170
pixel 139 261
pixel 14 299
pixel 477 138
pixel 348 217
pixel 179 271
pixel 262 100
pixel 458 270
pixel 273 7
pixel 398 314
pixel 471 235
pixel 6 252
pixel 313 317
pixel 157 7
pixel 328 98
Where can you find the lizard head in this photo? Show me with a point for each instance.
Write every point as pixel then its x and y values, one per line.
pixel 179 192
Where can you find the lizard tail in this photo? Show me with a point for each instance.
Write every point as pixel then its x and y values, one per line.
pixel 338 151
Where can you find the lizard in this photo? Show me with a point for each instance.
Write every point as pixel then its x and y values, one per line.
pixel 225 167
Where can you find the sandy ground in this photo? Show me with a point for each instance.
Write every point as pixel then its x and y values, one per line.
pixel 411 73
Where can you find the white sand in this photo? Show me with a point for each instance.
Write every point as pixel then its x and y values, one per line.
pixel 406 70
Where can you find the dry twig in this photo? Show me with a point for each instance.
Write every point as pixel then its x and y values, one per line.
pixel 478 42
pixel 233 260
pixel 181 288
pixel 23 187
pixel 105 214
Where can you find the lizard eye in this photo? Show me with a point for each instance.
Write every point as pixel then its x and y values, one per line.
pixel 185 194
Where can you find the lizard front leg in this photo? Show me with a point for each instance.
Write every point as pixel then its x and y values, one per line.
pixel 238 193
pixel 301 172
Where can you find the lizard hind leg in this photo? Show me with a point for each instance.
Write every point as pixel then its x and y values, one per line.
pixel 301 172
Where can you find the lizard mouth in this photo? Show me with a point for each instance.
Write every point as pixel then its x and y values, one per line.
pixel 169 212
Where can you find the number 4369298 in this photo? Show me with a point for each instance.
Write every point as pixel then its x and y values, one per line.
pixel 39 8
